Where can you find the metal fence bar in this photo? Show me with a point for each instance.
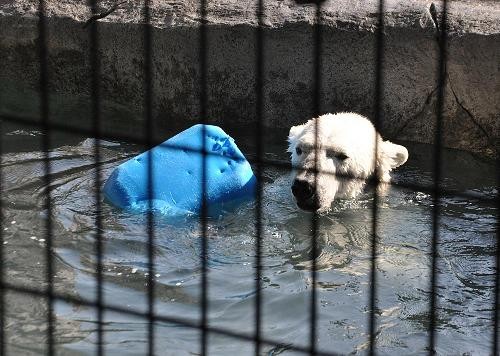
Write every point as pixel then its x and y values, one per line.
pixel 3 271
pixel 44 114
pixel 496 297
pixel 203 218
pixel 259 134
pixel 377 121
pixel 317 52
pixel 436 212
pixel 445 192
pixel 148 126
pixel 96 118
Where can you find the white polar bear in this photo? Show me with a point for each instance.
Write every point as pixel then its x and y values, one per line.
pixel 343 159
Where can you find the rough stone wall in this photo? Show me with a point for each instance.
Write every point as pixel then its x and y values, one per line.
pixel 472 107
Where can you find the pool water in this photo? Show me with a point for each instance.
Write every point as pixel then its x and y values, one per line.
pixel 465 266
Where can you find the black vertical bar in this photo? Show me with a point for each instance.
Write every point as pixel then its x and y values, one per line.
pixel 379 90
pixel 148 100
pixel 203 218
pixel 44 113
pixel 315 217
pixel 259 134
pixel 95 95
pixel 442 40
pixel 496 298
pixel 2 265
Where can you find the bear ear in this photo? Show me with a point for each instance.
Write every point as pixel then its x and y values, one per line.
pixel 395 155
pixel 295 131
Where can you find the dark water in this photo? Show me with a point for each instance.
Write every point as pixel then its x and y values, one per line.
pixel 465 267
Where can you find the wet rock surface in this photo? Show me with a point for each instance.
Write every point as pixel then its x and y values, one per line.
pixel 348 65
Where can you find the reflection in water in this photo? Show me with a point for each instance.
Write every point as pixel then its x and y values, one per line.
pixel 466 265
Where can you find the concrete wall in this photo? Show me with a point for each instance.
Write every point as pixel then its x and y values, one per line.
pixel 472 108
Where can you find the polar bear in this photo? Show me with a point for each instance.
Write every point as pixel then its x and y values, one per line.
pixel 345 150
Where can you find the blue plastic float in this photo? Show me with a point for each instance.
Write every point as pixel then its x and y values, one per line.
pixel 177 171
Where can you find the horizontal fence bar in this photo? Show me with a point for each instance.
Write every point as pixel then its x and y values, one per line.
pixel 429 189
pixel 156 317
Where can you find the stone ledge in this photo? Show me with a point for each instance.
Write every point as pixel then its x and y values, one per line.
pixel 465 16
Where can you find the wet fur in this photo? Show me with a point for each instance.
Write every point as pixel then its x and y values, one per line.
pixel 342 134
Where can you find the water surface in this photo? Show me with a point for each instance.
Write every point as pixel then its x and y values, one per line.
pixel 465 267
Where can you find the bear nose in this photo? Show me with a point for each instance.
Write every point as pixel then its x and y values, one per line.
pixel 302 189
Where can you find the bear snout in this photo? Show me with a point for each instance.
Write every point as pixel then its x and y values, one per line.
pixel 305 195
pixel 302 190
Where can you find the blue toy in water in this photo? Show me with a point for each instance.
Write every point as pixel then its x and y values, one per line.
pixel 177 171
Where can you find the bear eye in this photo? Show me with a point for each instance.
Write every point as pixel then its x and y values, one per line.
pixel 298 150
pixel 338 155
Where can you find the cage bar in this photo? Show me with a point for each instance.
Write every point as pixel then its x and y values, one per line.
pixel 317 52
pixel 267 163
pixel 377 122
pixel 3 271
pixel 148 129
pixel 44 114
pixel 496 294
pixel 96 127
pixel 203 50
pixel 436 212
pixel 259 134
